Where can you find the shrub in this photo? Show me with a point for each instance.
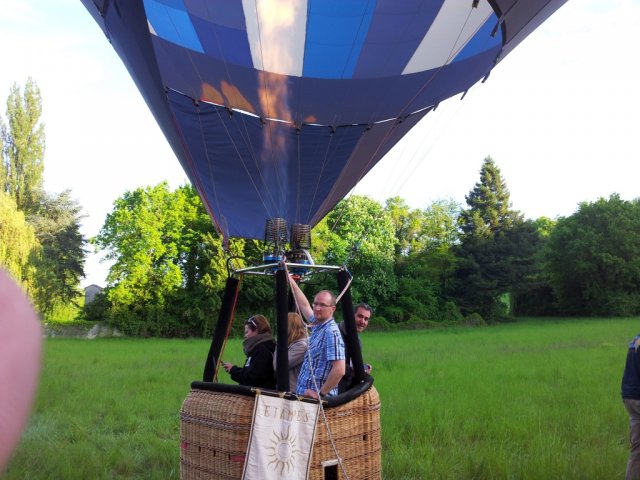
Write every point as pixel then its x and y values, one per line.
pixel 450 313
pixel 474 320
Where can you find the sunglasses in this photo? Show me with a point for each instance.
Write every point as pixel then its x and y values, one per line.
pixel 251 321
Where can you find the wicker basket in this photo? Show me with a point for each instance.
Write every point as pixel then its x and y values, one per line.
pixel 215 428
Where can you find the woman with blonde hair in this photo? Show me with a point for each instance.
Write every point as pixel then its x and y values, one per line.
pixel 297 341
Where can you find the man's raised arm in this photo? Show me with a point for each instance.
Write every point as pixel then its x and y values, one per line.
pixel 301 300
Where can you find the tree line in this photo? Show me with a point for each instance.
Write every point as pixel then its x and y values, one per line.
pixel 40 241
pixel 447 263
pixel 444 264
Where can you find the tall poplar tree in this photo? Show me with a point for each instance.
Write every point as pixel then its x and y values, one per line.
pixel 23 149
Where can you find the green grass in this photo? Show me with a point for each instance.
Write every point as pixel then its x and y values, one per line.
pixel 528 400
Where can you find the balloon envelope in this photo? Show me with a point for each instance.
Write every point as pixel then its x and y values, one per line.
pixel 277 108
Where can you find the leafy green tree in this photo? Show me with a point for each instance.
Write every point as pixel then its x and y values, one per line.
pixel 441 235
pixel 203 262
pixel 18 243
pixel 23 147
pixel 440 224
pixel 359 233
pixel 169 265
pixel 594 258
pixel 139 235
pixel 424 262
pixel 408 226
pixel 535 296
pixel 60 267
pixel 492 259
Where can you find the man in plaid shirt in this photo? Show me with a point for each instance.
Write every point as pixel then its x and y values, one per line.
pixel 321 375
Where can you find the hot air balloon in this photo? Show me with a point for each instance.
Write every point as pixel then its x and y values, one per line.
pixel 277 108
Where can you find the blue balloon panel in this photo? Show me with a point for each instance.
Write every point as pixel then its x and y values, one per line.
pixel 279 112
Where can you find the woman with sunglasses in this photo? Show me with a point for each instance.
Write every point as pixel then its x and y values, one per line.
pixel 258 346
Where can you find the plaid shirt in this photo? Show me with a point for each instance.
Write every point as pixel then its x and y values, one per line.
pixel 325 346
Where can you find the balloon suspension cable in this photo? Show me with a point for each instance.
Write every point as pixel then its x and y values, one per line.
pixel 283 265
pixel 346 287
pixel 226 336
pixel 400 115
pixel 231 258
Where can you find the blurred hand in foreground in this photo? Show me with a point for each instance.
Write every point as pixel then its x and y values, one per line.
pixel 20 350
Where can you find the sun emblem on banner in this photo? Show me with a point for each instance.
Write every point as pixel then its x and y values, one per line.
pixel 282 451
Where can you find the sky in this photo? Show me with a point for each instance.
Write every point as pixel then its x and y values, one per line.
pixel 560 116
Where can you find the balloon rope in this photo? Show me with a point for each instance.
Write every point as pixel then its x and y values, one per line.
pixel 267 116
pixel 324 163
pixel 344 289
pixel 221 228
pixel 246 139
pixel 226 337
pixel 386 136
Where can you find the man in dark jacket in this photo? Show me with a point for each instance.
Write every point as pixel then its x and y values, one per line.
pixel 631 399
pixel 362 315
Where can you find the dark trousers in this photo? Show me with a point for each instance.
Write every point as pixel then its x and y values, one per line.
pixel 633 465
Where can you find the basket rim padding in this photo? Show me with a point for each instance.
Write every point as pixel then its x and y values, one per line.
pixel 328 402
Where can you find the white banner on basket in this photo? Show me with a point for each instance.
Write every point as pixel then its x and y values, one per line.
pixel 281 439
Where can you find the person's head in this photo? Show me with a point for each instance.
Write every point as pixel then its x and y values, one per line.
pixel 363 314
pixel 324 304
pixel 297 328
pixel 256 325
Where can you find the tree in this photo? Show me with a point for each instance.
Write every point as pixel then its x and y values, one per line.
pixel 23 147
pixel 61 265
pixel 535 295
pixel 169 265
pixel 18 243
pixel 424 260
pixel 441 224
pixel 492 258
pixel 594 258
pixel 359 233
pixel 408 225
pixel 489 206
pixel 140 236
pixel 441 235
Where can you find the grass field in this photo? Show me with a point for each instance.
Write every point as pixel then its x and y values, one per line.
pixel 537 399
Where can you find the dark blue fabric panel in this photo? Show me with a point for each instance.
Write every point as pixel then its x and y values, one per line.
pixel 335 33
pixel 374 143
pixel 227 13
pixel 217 159
pixel 225 43
pixel 178 4
pixel 396 31
pixel 171 22
pixel 454 78
pixel 234 165
pixel 247 172
pixel 324 157
pixel 482 40
pixel 333 102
